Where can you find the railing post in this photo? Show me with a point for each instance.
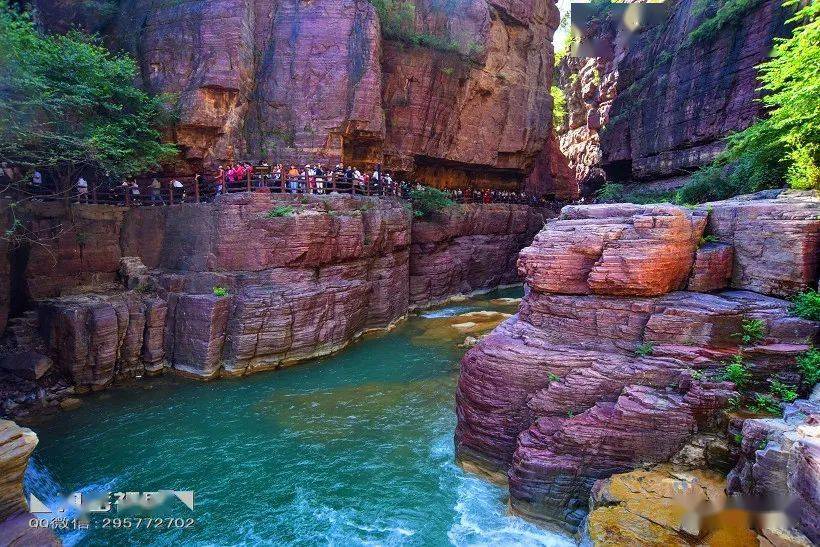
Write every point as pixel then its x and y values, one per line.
pixel 170 192
pixel 333 181
pixel 367 187
pixel 249 180
pixel 196 189
pixel 94 194
pixel 128 196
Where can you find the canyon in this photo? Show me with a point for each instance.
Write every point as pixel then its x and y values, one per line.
pixel 605 392
pixel 616 357
pixel 227 289
pixel 657 104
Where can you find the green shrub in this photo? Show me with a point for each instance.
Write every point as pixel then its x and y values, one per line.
pixel 807 305
pixel 427 201
pixel 280 211
pixel 751 331
pixel 730 12
pixel 610 193
pixel 220 291
pixel 782 391
pixel 644 349
pixel 808 363
pixel 559 106
pixel 765 404
pixel 738 438
pixel 706 240
pixel 735 371
pixel 696 374
pixel 552 377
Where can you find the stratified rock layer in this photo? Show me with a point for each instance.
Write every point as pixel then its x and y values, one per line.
pixel 604 369
pixel 228 288
pixel 470 248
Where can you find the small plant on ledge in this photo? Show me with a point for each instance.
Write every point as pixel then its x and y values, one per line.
pixel 552 377
pixel 705 240
pixel 751 331
pixel 644 349
pixel 427 201
pixel 220 291
pixel 808 363
pixel 765 404
pixel 807 305
pixel 782 391
pixel 280 211
pixel 736 372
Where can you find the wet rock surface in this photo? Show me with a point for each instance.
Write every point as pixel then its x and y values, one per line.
pixel 604 370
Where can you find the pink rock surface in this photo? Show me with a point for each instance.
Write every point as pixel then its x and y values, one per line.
pixel 470 248
pixel 776 236
pixel 94 337
pixel 295 82
pixel 780 463
pixel 623 249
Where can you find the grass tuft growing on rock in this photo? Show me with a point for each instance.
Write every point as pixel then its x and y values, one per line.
pixel 806 305
pixel 808 363
pixel 281 211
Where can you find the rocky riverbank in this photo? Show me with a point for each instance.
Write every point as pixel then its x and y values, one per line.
pixel 616 359
pixel 252 282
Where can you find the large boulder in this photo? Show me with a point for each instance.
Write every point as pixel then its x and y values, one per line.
pixel 775 235
pixel 16 445
pixel 622 249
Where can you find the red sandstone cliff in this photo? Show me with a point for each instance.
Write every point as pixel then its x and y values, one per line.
pixel 293 81
pixel 121 292
pixel 655 110
pixel 615 358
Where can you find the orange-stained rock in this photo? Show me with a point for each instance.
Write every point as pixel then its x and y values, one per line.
pixel 621 249
pixel 16 445
pixel 712 269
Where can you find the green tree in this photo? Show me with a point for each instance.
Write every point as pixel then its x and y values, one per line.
pixel 68 105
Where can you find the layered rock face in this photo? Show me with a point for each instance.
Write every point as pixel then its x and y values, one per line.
pixel 228 288
pixel 779 464
pixel 287 81
pixel 653 110
pixel 469 248
pixel 610 364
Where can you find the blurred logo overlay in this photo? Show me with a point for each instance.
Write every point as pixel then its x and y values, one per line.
pixel 596 26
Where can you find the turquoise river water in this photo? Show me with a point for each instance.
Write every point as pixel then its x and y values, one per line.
pixel 352 449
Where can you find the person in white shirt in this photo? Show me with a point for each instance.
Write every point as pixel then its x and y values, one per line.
pixel 177 187
pixel 82 190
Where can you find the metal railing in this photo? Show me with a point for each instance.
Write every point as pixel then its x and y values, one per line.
pixel 141 192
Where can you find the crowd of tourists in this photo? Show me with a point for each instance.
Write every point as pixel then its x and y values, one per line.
pixel 309 179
